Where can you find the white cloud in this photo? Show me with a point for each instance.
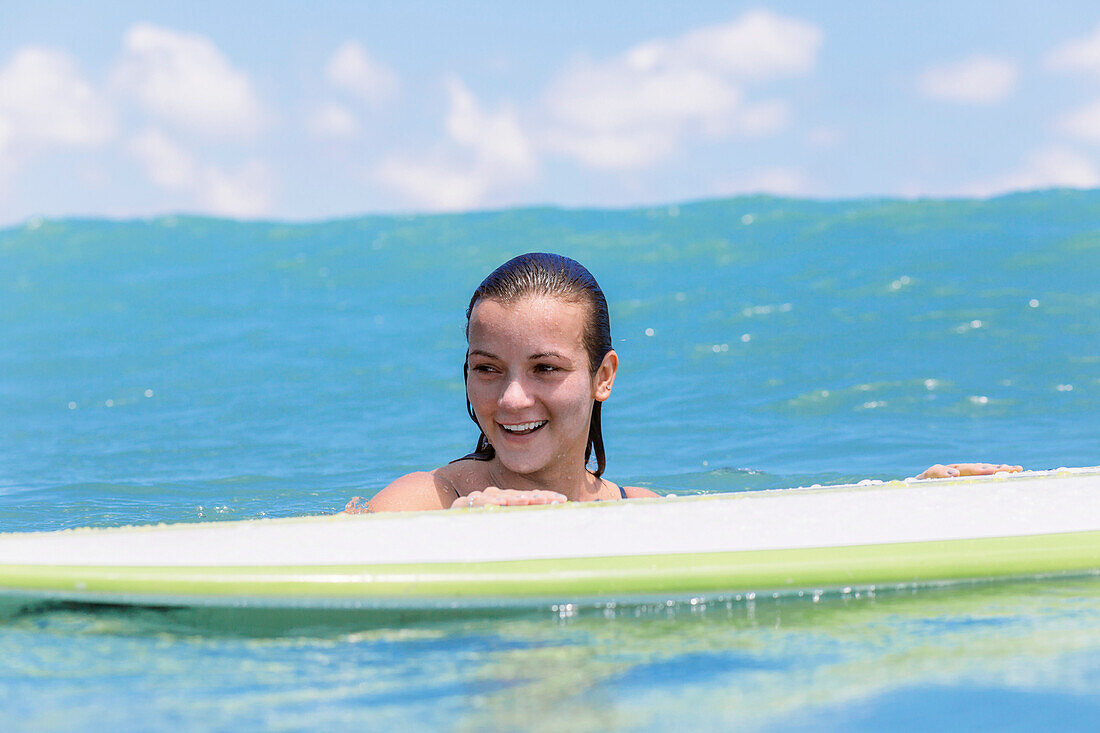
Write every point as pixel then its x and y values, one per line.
pixel 975 80
pixel 762 118
pixel 495 138
pixel 779 181
pixel 617 149
pixel 351 69
pixel 186 81
pixel 487 150
pixel 1079 54
pixel 634 109
pixel 166 163
pixel 824 137
pixel 1052 167
pixel 758 46
pixel 332 120
pixel 1083 123
pixel 434 183
pixel 44 101
pixel 245 192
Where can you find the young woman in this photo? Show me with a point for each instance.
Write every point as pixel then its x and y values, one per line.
pixel 539 366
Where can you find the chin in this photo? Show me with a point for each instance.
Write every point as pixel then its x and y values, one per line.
pixel 521 464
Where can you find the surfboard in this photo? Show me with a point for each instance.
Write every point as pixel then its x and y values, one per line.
pixel 800 540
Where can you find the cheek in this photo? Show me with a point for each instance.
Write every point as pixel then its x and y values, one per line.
pixel 575 397
pixel 477 392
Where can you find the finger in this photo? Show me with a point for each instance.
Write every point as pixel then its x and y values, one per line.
pixel 548 497
pixel 976 469
pixel 940 471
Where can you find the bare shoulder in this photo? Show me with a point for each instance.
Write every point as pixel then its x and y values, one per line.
pixel 419 491
pixel 638 492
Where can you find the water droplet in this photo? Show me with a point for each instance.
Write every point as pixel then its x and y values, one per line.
pixel 109 403
pixel 746 337
pixel 72 405
pixel 1033 303
pixel 975 323
pixel 748 219
pixel 979 399
pixel 148 393
pixel 649 332
pixel 1064 388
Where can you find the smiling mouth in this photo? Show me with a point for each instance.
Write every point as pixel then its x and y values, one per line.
pixel 523 428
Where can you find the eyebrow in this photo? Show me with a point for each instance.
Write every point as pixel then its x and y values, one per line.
pixel 532 357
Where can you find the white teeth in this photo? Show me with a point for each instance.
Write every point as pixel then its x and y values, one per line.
pixel 524 426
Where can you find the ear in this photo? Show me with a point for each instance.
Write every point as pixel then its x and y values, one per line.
pixel 605 376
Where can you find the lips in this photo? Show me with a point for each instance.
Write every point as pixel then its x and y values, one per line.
pixel 523 428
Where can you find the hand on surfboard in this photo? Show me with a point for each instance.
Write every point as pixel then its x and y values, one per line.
pixel 492 496
pixel 952 470
pixel 355 507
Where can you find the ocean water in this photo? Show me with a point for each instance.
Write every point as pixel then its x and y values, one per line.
pixel 189 369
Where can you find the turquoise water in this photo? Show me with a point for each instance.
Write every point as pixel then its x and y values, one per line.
pixel 188 369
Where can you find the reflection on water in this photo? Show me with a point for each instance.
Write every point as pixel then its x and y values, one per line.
pixel 729 663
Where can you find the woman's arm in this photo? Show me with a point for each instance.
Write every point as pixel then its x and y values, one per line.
pixel 967 469
pixel 424 491
pixel 420 491
pixel 638 492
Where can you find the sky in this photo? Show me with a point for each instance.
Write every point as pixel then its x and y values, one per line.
pixel 307 111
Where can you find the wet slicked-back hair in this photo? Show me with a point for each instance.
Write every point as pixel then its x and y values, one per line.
pixel 549 275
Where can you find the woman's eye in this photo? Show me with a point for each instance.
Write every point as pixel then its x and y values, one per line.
pixel 483 368
pixel 546 368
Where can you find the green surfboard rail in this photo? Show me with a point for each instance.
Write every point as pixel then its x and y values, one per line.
pixel 564 579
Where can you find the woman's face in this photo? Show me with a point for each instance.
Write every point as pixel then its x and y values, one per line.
pixel 530 382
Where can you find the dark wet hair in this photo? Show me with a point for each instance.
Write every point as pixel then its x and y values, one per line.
pixel 544 274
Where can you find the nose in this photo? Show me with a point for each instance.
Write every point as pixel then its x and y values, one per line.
pixel 515 395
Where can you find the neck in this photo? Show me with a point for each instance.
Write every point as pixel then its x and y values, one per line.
pixel 574 480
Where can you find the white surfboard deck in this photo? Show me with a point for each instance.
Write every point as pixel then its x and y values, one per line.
pixel 806 539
